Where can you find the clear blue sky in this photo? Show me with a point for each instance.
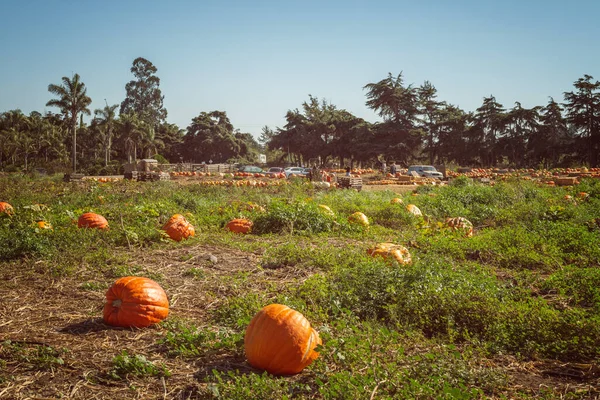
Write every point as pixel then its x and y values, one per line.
pixel 257 59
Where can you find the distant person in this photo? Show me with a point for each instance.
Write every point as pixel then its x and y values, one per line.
pixel 383 167
pixel 348 171
pixel 393 169
pixel 315 173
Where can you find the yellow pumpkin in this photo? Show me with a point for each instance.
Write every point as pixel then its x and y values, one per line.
pixel 414 210
pixel 359 218
pixel 391 251
pixel 326 209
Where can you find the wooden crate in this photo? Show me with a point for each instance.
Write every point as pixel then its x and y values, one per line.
pixel 350 182
pixel 565 181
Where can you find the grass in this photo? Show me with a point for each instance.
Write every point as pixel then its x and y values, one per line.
pixel 511 310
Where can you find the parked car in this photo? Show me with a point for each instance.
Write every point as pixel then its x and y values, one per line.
pixel 250 169
pixel 426 171
pixel 293 171
pixel 274 171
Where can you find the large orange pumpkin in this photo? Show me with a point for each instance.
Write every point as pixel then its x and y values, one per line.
pixel 414 210
pixel 239 225
pixel 280 340
pixel 359 218
pixel 391 251
pixel 179 228
pixel 462 224
pixel 92 220
pixel 6 208
pixel 135 301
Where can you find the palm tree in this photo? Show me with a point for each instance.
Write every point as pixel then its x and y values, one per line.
pixel 130 129
pixel 72 100
pixel 106 118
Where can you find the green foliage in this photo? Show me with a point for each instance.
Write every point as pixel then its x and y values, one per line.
pixel 293 217
pixel 578 286
pixel 33 356
pixel 184 340
pixel 137 365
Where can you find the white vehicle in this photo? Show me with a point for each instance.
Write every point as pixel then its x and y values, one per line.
pixel 426 171
pixel 293 170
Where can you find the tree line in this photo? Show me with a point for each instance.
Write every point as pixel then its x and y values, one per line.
pixel 137 128
pixel 415 126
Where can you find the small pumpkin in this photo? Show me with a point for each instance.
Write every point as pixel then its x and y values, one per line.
pixel 6 208
pixel 280 341
pixel 92 220
pixel 462 224
pixel 44 225
pixel 359 218
pixel 179 228
pixel 396 200
pixel 135 301
pixel 391 251
pixel 414 210
pixel 326 210
pixel 239 225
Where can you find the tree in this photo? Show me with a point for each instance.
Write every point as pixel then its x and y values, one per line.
pixel 72 101
pixel 169 137
pixel 105 118
pixel 583 112
pixel 398 136
pixel 144 97
pixel 451 126
pixel 521 124
pixel 211 136
pixel 551 139
pixel 488 124
pixel 130 131
pixel 429 109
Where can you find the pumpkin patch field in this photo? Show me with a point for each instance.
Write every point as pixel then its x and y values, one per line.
pixel 156 290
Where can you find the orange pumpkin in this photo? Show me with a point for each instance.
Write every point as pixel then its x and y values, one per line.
pixel 391 251
pixel 92 220
pixel 44 225
pixel 239 225
pixel 414 210
pixel 6 208
pixel 460 223
pixel 359 218
pixel 179 228
pixel 396 200
pixel 135 301
pixel 280 340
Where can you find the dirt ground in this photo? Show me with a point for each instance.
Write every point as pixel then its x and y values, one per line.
pixel 38 310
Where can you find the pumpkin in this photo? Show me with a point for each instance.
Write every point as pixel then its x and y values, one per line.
pixel 396 200
pixel 391 251
pixel 280 341
pixel 414 210
pixel 6 208
pixel 460 223
pixel 359 218
pixel 44 225
pixel 135 301
pixel 326 210
pixel 92 220
pixel 239 225
pixel 178 228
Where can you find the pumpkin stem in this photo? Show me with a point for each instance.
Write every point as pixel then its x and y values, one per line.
pixel 117 303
